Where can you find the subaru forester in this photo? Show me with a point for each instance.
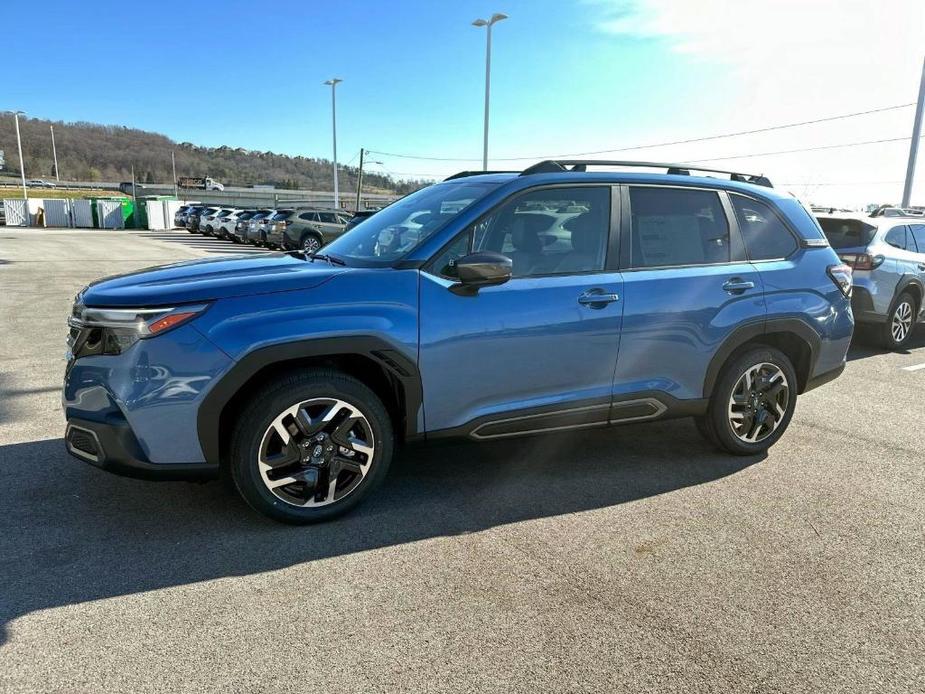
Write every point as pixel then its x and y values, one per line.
pixel 488 306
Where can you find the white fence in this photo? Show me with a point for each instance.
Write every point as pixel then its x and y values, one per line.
pixel 17 213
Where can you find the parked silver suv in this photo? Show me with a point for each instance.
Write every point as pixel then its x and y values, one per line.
pixel 887 255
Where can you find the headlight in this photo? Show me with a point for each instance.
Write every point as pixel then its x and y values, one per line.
pixel 114 330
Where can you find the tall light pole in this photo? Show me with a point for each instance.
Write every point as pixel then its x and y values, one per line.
pixel 496 17
pixel 914 145
pixel 22 165
pixel 54 153
pixel 333 83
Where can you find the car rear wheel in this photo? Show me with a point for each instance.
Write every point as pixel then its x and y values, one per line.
pixel 311 243
pixel 896 332
pixel 310 446
pixel 752 403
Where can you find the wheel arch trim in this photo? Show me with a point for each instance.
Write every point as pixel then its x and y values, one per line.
pixel 747 333
pixel 391 359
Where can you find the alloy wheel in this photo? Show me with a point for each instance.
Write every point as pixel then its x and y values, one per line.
pixel 311 244
pixel 759 402
pixel 316 452
pixel 902 322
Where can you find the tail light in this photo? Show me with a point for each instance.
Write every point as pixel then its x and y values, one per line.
pixel 861 261
pixel 841 276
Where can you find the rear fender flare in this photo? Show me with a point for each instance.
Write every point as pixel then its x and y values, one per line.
pixel 747 333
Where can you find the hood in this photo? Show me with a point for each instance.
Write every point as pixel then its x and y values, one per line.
pixel 205 280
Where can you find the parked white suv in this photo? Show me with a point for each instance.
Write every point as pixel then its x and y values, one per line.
pixel 224 224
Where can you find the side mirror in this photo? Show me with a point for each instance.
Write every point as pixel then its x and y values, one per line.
pixel 482 269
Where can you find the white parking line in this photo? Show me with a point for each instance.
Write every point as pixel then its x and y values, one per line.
pixel 915 367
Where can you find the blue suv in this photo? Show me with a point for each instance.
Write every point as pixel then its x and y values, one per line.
pixel 487 306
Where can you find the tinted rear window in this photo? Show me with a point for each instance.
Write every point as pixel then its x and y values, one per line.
pixel 847 233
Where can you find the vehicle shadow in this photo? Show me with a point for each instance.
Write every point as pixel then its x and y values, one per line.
pixel 202 243
pixel 864 345
pixel 71 533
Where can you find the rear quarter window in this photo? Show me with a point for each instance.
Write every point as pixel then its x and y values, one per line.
pixel 765 235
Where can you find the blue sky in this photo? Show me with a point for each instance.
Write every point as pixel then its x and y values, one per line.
pixel 567 76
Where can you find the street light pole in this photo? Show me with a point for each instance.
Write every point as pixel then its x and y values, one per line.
pixel 54 152
pixel 914 145
pixel 22 165
pixel 496 17
pixel 333 83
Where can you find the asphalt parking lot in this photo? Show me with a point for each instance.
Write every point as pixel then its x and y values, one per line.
pixel 631 559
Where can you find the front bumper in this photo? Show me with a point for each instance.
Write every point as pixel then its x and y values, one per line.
pixel 135 413
pixel 111 445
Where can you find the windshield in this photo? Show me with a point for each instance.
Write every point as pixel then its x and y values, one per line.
pixel 394 231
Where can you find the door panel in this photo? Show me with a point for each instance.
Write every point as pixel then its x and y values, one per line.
pixel 676 316
pixel 527 343
pixel 674 321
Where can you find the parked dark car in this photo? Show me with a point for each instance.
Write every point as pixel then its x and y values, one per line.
pixel 256 227
pixel 358 217
pixel 195 217
pixel 236 231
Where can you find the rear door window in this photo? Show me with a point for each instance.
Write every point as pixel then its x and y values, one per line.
pixel 328 217
pixel 673 227
pixel 765 236
pixel 918 236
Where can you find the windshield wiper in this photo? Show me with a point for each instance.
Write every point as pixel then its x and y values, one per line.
pixel 330 258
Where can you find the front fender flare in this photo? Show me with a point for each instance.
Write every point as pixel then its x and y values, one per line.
pixel 390 358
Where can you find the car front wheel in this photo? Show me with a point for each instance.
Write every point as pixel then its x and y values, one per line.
pixel 310 446
pixel 752 403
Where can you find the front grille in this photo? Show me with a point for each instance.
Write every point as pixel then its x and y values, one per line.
pixel 83 442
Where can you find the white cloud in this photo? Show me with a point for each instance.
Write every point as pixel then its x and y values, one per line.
pixel 790 60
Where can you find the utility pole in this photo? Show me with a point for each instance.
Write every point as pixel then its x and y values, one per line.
pixel 173 163
pixel 54 152
pixel 914 145
pixel 22 164
pixel 359 180
pixel 134 199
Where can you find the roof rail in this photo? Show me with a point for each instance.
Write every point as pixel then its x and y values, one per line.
pixel 464 174
pixel 559 165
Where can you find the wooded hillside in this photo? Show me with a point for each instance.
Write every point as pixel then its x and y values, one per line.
pixel 92 152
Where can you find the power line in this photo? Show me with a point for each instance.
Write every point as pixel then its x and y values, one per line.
pixel 659 144
pixel 802 149
pixel 839 183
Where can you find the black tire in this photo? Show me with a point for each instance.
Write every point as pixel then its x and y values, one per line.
pixel 886 337
pixel 705 427
pixel 719 428
pixel 272 400
pixel 311 243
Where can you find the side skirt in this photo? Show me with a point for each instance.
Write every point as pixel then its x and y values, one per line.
pixel 640 407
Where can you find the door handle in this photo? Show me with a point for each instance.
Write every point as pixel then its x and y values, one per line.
pixel 921 266
pixel 597 298
pixel 737 285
